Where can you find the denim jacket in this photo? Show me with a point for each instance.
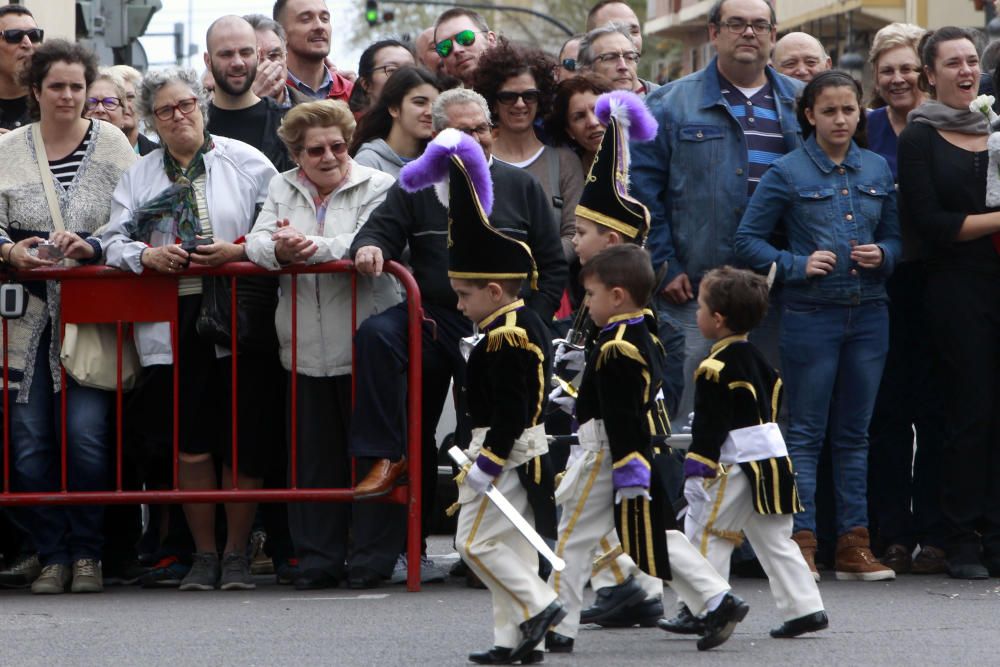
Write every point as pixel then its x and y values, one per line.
pixel 693 176
pixel 824 206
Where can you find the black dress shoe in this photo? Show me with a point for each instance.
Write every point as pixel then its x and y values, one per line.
pixel 684 623
pixel 316 579
pixel 612 599
pixel 719 624
pixel 801 625
pixel 533 630
pixel 967 568
pixel 645 614
pixel 359 578
pixel 501 656
pixel 557 643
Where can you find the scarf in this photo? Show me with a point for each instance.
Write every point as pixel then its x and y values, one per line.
pixel 944 117
pixel 175 210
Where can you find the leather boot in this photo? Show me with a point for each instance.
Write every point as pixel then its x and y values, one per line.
pixel 855 560
pixel 806 539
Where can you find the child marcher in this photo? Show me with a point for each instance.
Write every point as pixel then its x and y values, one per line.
pixel 837 203
pixel 506 385
pixel 738 476
pixel 620 489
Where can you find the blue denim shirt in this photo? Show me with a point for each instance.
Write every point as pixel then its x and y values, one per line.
pixel 693 176
pixel 824 206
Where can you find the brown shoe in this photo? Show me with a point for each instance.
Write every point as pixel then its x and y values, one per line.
pixel 855 560
pixel 806 539
pixel 381 479
pixel 898 557
pixel 930 560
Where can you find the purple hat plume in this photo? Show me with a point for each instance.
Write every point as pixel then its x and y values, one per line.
pixel 630 112
pixel 432 167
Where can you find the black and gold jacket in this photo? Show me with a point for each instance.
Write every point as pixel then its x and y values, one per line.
pixel 735 388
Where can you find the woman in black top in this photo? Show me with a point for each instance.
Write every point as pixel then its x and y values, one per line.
pixel 942 178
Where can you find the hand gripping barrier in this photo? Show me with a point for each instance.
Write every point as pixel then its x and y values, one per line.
pixel 107 295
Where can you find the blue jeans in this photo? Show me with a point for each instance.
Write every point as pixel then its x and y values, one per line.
pixel 68 533
pixel 832 359
pixel 673 341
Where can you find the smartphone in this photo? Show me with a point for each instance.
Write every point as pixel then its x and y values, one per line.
pixel 47 250
pixel 191 246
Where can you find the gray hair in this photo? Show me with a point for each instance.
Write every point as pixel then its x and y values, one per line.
pixel 261 23
pixel 112 77
pixel 157 79
pixel 453 97
pixel 129 74
pixel 586 56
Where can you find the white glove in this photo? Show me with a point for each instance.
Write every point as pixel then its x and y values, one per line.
pixel 573 357
pixel 477 479
pixel 575 453
pixel 565 402
pixel 631 493
pixel 697 496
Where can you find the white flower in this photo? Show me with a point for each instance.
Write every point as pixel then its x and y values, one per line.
pixel 984 105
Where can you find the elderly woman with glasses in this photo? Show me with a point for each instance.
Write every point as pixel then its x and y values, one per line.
pixel 311 215
pixel 106 99
pixel 193 201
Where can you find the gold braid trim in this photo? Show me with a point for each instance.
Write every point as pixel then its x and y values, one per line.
pixel 734 536
pixel 606 559
pixel 614 348
pixel 460 477
pixel 506 335
pixel 453 508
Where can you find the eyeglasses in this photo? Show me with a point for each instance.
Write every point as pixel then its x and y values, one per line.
pixel 184 106
pixel 627 56
pixel 337 147
pixel 14 36
pixel 387 69
pixel 512 96
pixel 739 26
pixel 481 130
pixel 109 103
pixel 464 38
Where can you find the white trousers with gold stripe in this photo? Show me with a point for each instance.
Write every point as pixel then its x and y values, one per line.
pixel 730 512
pixel 503 559
pixel 619 569
pixel 587 528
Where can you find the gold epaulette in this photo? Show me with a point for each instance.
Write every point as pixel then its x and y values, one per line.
pixel 506 335
pixel 710 368
pixel 616 347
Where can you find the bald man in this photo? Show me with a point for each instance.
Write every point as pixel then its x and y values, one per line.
pixel 800 56
pixel 426 53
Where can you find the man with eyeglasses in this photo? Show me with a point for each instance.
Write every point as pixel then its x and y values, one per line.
pixel 420 221
pixel 460 37
pixel 236 111
pixel 719 130
pixel 610 52
pixel 19 35
pixel 800 56
pixel 272 65
pixel 307 28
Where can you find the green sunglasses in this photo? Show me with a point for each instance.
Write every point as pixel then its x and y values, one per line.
pixel 464 38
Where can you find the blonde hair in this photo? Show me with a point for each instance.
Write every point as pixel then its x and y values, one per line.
pixel 893 36
pixel 105 74
pixel 324 113
pixel 130 74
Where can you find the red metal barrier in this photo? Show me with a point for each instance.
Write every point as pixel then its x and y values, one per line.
pixel 107 295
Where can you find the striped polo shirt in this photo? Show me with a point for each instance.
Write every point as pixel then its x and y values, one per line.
pixel 758 116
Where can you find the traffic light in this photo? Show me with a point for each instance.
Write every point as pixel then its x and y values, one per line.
pixel 371 12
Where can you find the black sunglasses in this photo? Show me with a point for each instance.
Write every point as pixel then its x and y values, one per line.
pixel 15 35
pixel 511 96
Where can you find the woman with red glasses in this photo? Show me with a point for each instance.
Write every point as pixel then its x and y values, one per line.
pixel 311 215
pixel 192 201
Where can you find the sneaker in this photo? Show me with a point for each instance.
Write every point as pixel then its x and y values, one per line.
pixel 204 573
pixel 430 573
pixel 53 580
pixel 87 576
pixel 287 571
pixel 165 573
pixel 855 560
pixel 21 572
pixel 236 573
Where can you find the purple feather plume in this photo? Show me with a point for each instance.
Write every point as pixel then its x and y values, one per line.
pixel 432 167
pixel 630 112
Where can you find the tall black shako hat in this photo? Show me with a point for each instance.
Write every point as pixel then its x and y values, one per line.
pixel 454 163
pixel 605 199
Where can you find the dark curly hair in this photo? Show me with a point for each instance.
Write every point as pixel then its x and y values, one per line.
pixel 557 121
pixel 55 51
pixel 505 61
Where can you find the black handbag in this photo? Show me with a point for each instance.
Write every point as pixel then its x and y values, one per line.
pixel 256 302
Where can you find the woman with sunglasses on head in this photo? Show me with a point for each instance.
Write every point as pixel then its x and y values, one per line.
pixel 193 201
pixel 311 215
pixel 376 65
pixel 397 128
pixel 106 99
pixel 517 84
pixel 82 160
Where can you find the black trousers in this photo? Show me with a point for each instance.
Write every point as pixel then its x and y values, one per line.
pixel 964 318
pixel 904 487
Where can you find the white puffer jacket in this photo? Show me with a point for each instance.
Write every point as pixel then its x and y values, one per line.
pixel 324 300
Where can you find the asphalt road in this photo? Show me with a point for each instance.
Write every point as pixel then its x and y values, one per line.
pixel 912 621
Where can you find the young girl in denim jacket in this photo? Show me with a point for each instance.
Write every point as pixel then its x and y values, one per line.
pixel 837 203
